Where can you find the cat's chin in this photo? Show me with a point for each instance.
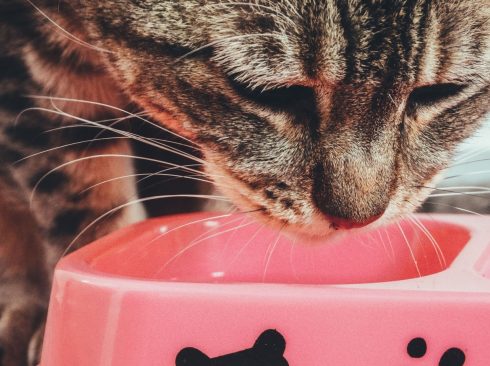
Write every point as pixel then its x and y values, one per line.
pixel 318 231
pixel 306 236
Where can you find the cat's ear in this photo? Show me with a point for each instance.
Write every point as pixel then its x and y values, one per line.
pixel 271 342
pixel 192 357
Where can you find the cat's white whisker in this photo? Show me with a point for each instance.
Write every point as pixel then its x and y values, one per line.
pixel 467 193
pixel 383 243
pixel 146 175
pixel 390 243
pixel 245 246
pixel 412 254
pixel 455 207
pixel 476 191
pixel 291 258
pixel 108 106
pixel 187 224
pixel 195 243
pixel 123 133
pixel 123 156
pixel 140 200
pixel 166 170
pixel 478 172
pixel 135 136
pixel 469 162
pixel 66 33
pixel 437 248
pixel 232 236
pixel 270 251
pixel 69 145
pixel 214 228
pixel 84 125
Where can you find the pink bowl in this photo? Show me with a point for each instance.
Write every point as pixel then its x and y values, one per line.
pixel 204 290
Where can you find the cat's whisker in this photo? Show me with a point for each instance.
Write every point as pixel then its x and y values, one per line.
pixel 422 252
pixel 213 228
pixel 232 236
pixel 412 254
pixel 479 172
pixel 137 137
pixel 85 122
pixel 66 33
pixel 245 246
pixel 84 125
pixel 469 162
pixel 146 175
pixel 195 243
pixel 450 191
pixel 464 158
pixel 112 122
pixel 108 106
pixel 437 248
pixel 123 133
pixel 390 243
pixel 468 193
pixel 166 170
pixel 123 156
pixel 187 224
pixel 291 258
pixel 137 201
pixel 383 243
pixel 69 145
pixel 455 207
pixel 270 253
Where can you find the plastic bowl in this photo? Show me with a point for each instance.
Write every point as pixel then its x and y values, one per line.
pixel 200 290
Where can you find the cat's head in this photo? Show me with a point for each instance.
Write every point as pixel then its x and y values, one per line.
pixel 320 114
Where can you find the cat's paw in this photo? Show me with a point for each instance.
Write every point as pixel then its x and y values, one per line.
pixel 21 329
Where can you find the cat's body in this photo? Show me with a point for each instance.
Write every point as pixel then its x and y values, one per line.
pixel 365 103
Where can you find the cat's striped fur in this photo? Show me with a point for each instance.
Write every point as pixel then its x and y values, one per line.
pixel 306 111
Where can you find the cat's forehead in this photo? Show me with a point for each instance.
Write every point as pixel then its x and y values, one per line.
pixel 282 42
pixel 269 43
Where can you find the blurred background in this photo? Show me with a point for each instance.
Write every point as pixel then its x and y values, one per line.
pixel 465 186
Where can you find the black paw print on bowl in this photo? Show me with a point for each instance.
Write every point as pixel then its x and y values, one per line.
pixel 417 348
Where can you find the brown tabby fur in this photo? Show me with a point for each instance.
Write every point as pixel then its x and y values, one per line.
pixel 304 110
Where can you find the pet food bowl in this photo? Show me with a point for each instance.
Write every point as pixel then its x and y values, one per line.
pixel 201 290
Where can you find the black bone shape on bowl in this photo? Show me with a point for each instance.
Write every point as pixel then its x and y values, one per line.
pixel 268 350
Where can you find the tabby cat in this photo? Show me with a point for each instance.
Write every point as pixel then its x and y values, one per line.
pixel 317 116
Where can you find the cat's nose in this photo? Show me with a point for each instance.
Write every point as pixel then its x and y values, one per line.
pixel 348 199
pixel 346 224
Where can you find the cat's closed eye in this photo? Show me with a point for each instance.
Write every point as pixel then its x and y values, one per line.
pixel 280 98
pixel 431 95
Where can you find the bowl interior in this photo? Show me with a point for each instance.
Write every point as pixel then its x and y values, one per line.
pixel 235 249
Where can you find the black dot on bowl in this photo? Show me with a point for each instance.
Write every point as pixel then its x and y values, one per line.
pixel 417 348
pixel 453 357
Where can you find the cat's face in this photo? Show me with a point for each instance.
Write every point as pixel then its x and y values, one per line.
pixel 364 101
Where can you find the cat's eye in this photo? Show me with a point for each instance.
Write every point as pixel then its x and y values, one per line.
pixel 429 95
pixel 282 98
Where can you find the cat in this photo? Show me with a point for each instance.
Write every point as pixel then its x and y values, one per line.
pixel 316 116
